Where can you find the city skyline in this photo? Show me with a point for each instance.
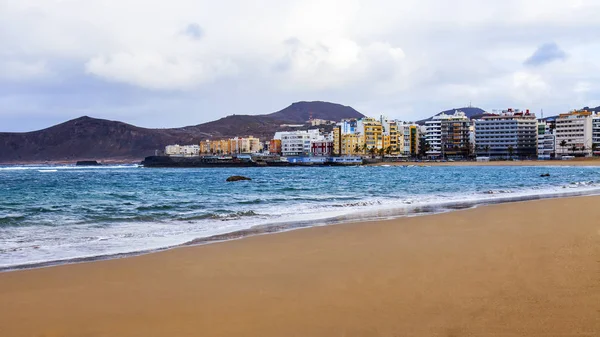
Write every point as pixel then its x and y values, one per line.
pixel 177 63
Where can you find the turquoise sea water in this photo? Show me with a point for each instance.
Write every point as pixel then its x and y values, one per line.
pixel 61 213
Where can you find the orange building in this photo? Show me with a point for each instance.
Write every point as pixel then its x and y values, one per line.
pixel 275 146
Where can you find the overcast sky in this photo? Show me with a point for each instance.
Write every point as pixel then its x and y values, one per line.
pixel 183 62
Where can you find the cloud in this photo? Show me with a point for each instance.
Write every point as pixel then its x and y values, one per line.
pixel 335 62
pixel 407 59
pixel 158 72
pixel 20 70
pixel 194 31
pixel 545 53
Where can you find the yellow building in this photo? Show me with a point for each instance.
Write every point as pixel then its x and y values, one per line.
pixel 221 146
pixel 391 139
pixel 245 145
pixel 372 132
pixel 337 132
pixel 352 144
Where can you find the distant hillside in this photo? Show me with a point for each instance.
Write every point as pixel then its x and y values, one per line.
pixel 471 112
pixel 596 109
pixel 301 112
pixel 99 139
pixel 88 138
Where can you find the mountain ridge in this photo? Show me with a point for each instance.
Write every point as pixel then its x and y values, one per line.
pixel 88 138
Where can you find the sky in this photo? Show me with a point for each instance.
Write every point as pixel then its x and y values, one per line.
pixel 184 62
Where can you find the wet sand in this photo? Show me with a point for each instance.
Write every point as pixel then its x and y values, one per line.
pixel 517 269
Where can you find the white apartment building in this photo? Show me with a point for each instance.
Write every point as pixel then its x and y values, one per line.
pixel 404 139
pixel 182 150
pixel 507 133
pixel 448 135
pixel 596 134
pixel 433 136
pixel 574 134
pixel 297 143
pixel 546 141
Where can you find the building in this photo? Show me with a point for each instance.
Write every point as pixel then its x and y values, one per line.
pixel 182 150
pixel 391 137
pixel 546 141
pixel 321 148
pixel 574 134
pixel 455 136
pixel 372 131
pixel 448 135
pixel 245 145
pixel 275 146
pixel 433 137
pixel 297 143
pixel 596 134
pixel 347 144
pixel 408 139
pixel 221 146
pixel 317 122
pixel 510 133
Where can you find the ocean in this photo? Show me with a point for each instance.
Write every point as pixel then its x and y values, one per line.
pixel 61 214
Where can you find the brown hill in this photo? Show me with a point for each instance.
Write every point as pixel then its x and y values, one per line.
pixel 98 139
pixel 300 112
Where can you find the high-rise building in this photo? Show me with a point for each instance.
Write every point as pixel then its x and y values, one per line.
pixel 510 133
pixel 596 134
pixel 546 141
pixel 372 131
pixel 574 133
pixel 448 135
pixel 408 139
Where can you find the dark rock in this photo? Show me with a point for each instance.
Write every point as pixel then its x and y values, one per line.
pixel 237 178
pixel 545 175
pixel 88 163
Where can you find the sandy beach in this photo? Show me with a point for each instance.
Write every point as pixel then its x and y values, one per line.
pixel 517 269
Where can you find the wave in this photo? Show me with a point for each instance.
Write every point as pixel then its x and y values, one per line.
pixel 380 211
pixel 216 216
pixel 12 220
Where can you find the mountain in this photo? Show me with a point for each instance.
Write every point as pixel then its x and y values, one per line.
pixel 98 139
pixel 300 112
pixel 596 109
pixel 471 112
pixel 87 138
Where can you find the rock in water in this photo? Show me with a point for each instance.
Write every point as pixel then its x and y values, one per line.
pixel 545 175
pixel 237 178
pixel 88 163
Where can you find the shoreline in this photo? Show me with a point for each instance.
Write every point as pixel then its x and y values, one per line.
pixel 573 162
pixel 592 162
pixel 527 268
pixel 359 217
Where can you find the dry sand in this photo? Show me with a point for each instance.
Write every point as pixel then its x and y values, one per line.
pixel 519 269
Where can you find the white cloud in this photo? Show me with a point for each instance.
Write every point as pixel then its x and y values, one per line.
pixel 332 63
pixel 407 58
pixel 19 71
pixel 154 71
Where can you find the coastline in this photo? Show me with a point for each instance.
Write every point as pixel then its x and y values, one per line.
pixel 592 162
pixel 359 216
pixel 526 268
pixel 572 162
